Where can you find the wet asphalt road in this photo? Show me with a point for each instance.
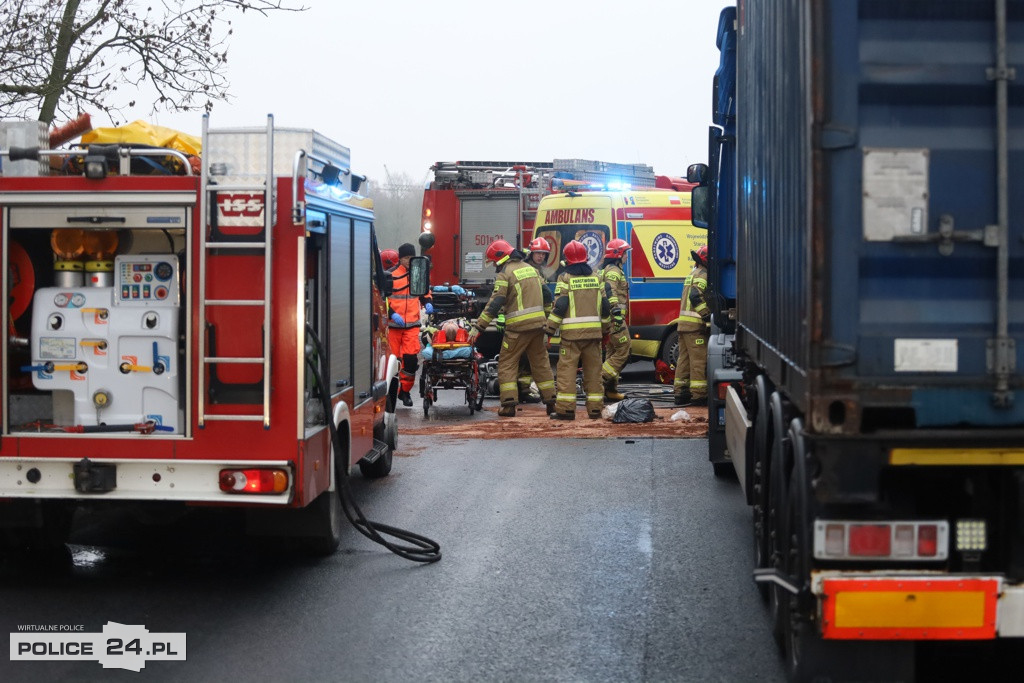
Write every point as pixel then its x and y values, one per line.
pixel 566 560
pixel 563 560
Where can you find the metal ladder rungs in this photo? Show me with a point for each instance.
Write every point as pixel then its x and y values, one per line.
pixel 236 245
pixel 233 359
pixel 233 418
pixel 239 188
pixel 233 302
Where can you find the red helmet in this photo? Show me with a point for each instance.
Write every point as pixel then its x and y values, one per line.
pixel 389 257
pixel 701 255
pixel 616 248
pixel 498 251
pixel 575 252
pixel 540 244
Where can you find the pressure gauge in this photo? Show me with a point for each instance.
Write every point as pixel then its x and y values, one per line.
pixel 77 300
pixel 60 300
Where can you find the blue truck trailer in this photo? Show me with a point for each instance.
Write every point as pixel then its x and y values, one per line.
pixel 868 203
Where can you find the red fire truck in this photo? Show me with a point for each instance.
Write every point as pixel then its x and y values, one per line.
pixel 469 204
pixel 170 337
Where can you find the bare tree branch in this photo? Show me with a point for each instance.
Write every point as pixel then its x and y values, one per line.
pixel 64 56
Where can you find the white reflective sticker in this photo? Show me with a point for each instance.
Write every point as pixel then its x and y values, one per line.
pixel 473 262
pixel 925 355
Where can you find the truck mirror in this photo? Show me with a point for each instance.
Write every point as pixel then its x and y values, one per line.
pixel 697 173
pixel 419 275
pixel 700 205
pixel 426 241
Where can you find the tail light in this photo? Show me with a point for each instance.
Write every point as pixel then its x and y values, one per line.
pixel 254 481
pixel 723 389
pixel 881 540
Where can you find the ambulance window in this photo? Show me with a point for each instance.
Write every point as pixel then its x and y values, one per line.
pixel 593 237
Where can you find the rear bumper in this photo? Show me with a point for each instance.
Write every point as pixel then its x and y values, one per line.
pixel 172 480
pixel 895 606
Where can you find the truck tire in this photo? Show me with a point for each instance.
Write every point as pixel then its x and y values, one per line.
pixel 759 485
pixel 778 533
pixel 670 348
pixel 809 657
pixel 327 537
pixel 319 533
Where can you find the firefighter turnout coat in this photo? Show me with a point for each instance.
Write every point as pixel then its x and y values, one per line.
pixel 617 353
pixel 581 314
pixel 520 294
pixel 694 318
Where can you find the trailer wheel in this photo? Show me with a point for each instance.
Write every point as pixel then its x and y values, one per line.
pixel 759 485
pixel 778 533
pixel 426 405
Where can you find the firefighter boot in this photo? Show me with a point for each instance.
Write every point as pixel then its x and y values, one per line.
pixel 683 398
pixel 507 410
pixel 405 398
pixel 549 406
pixel 699 401
pixel 611 391
pixel 562 416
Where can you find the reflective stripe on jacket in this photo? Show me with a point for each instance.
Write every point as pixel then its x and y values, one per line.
pixel 696 281
pixel 519 293
pixel 580 308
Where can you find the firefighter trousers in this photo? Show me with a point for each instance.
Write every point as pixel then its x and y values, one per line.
pixel 616 354
pixel 571 354
pixel 692 365
pixel 405 344
pixel 528 344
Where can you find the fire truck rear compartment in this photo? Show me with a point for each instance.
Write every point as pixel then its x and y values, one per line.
pixel 100 347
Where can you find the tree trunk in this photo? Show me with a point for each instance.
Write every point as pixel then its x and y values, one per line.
pixel 58 71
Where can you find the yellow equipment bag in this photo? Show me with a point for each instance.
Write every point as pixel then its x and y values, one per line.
pixel 142 133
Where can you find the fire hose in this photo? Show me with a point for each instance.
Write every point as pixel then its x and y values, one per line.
pixel 419 548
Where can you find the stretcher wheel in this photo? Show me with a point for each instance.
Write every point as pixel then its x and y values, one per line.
pixel 426 405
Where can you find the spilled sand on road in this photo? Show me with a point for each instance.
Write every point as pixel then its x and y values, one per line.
pixel 531 422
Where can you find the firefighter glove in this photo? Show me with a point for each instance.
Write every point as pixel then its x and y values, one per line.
pixel 429 308
pixel 397 319
pixel 695 297
pixel 474 332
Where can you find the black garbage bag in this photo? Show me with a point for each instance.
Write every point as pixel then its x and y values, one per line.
pixel 634 410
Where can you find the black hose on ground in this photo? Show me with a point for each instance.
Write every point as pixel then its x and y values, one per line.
pixel 421 548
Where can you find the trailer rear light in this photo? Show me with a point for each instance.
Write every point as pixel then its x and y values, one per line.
pixel 723 389
pixel 253 481
pixel 927 540
pixel 895 541
pixel 835 539
pixel 870 540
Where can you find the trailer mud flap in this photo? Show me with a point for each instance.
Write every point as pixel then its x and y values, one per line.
pixel 93 477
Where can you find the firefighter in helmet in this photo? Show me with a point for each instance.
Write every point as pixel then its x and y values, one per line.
pixel 691 385
pixel 617 291
pixel 537 255
pixel 404 323
pixel 519 293
pixel 389 258
pixel 581 313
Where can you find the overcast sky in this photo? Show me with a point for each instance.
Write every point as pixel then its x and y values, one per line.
pixel 409 82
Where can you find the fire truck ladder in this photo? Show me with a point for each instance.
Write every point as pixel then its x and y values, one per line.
pixel 265 189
